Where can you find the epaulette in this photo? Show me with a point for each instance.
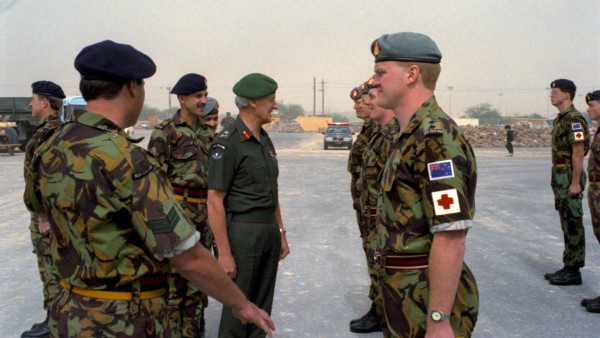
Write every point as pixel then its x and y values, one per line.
pixel 163 124
pixel 226 134
pixel 432 127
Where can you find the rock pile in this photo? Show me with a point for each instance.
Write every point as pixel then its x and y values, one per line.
pixel 526 135
pixel 280 127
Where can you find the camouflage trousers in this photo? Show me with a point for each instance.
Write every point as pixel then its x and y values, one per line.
pixel 369 241
pixel 594 203
pixel 48 272
pixel 570 212
pixel 74 315
pixel 187 303
pixel 405 296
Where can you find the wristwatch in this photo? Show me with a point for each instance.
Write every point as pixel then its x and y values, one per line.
pixel 438 316
pixel 283 230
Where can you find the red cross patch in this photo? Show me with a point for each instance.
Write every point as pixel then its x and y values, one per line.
pixel 445 202
pixel 578 136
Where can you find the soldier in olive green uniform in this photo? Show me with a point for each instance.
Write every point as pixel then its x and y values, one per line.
pixel 593 102
pixel 354 168
pixel 180 144
pixel 227 120
pixel 427 200
pixel 243 204
pixel 570 143
pixel 46 101
pixel 113 216
pixel 374 158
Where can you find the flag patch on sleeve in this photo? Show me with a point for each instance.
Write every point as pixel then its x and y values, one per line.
pixel 578 136
pixel 440 170
pixel 576 126
pixel 445 202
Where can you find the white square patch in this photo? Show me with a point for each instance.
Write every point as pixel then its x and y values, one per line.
pixel 578 135
pixel 445 202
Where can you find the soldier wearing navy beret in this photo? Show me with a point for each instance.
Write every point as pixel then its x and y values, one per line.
pixel 181 146
pixel 427 200
pixel 243 202
pixel 46 101
pixel 118 226
pixel 570 144
pixel 593 101
pixel 211 114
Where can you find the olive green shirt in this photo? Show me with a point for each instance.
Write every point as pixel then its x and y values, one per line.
pixel 244 168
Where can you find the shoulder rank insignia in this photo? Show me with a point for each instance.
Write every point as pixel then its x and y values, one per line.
pixel 225 134
pixel 142 168
pixel 576 126
pixel 246 135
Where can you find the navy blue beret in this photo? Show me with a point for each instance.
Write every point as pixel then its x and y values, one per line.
pixel 563 84
pixel 109 60
pixel 406 46
pixel 211 105
pixel 189 83
pixel 593 96
pixel 47 88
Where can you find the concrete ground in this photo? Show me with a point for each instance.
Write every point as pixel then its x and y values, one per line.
pixel 323 283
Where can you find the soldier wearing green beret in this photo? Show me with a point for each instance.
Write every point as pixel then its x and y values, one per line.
pixel 117 225
pixel 593 101
pixel 180 144
pixel 243 203
pixel 46 101
pixel 570 143
pixel 427 199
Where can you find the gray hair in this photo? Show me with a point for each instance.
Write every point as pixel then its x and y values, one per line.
pixel 241 102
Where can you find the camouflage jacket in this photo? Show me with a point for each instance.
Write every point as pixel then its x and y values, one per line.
pixel 355 159
pixel 594 159
pixel 374 158
pixel 182 152
pixel 44 129
pixel 110 210
pixel 568 128
pixel 428 183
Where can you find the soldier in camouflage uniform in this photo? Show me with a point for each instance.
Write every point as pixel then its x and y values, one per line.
pixel 593 102
pixel 211 114
pixel 570 143
pixel 374 158
pixel 354 168
pixel 427 200
pixel 180 144
pixel 46 101
pixel 113 215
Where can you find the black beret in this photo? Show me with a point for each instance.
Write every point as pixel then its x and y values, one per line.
pixel 47 88
pixel 593 96
pixel 254 86
pixel 406 46
pixel 109 60
pixel 563 84
pixel 189 83
pixel 356 93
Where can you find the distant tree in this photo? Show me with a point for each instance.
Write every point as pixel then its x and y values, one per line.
pixel 290 110
pixel 148 111
pixel 339 118
pixel 486 113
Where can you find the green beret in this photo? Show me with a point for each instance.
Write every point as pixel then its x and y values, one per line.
pixel 255 85
pixel 406 46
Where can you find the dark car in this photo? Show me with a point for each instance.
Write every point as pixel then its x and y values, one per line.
pixel 338 134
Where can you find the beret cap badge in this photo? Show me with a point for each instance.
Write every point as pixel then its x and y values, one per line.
pixel 376 49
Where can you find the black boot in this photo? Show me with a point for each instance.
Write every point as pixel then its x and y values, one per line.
pixel 38 330
pixel 569 276
pixel 367 323
pixel 354 321
pixel 593 305
pixel 586 301
pixel 555 273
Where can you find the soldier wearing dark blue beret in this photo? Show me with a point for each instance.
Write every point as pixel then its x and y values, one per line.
pixel 243 201
pixel 181 146
pixel 46 100
pixel 570 144
pixel 118 225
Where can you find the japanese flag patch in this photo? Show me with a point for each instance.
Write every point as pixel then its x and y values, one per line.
pixel 576 126
pixel 440 170
pixel 578 136
pixel 445 202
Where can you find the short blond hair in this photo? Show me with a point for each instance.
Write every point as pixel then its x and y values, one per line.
pixel 430 72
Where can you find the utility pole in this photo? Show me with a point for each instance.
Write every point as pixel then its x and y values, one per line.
pixel 322 97
pixel 314 96
pixel 169 93
pixel 450 90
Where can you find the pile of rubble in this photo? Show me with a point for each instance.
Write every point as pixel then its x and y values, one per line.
pixel 280 127
pixel 526 135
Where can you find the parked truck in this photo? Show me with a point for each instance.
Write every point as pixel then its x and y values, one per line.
pixel 18 124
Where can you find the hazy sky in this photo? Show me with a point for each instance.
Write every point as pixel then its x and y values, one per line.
pixel 504 52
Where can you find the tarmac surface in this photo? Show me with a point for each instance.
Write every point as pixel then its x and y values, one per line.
pixel 323 283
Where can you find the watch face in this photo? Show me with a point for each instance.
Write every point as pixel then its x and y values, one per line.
pixel 435 315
